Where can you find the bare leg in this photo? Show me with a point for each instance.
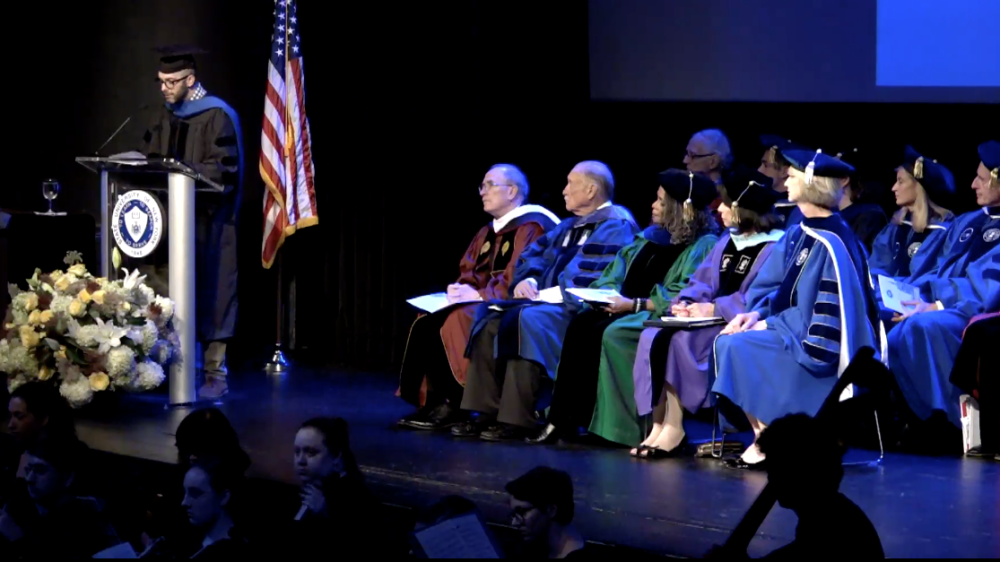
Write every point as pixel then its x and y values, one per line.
pixel 659 414
pixel 753 455
pixel 673 423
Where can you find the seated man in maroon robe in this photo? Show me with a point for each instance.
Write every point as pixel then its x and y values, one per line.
pixel 434 364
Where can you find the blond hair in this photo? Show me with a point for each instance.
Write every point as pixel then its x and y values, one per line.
pixel 821 191
pixel 923 210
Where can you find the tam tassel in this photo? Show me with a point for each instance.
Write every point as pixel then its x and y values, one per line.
pixel 688 203
pixel 771 155
pixel 993 175
pixel 735 210
pixel 918 168
pixel 811 168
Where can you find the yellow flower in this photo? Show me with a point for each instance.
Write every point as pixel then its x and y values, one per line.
pixel 101 280
pixel 64 282
pixel 126 306
pixel 61 354
pixel 10 326
pixel 77 308
pixel 35 317
pixel 84 296
pixel 31 302
pixel 99 381
pixel 29 338
pixel 44 373
pixel 78 269
pixel 98 296
pixel 45 316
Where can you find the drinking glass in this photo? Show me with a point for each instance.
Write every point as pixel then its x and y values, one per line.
pixel 50 190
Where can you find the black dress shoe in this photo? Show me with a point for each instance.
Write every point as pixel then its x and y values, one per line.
pixel 739 464
pixel 472 428
pixel 503 432
pixel 440 417
pixel 548 434
pixel 420 416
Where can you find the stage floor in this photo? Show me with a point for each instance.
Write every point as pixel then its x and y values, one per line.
pixel 921 506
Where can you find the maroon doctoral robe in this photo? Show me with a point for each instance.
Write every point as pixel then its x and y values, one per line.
pixel 488 265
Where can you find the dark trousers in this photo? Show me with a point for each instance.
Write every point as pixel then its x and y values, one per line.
pixel 425 358
pixel 508 389
pixel 575 394
pixel 658 353
pixel 973 375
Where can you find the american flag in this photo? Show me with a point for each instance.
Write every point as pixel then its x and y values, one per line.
pixel 286 162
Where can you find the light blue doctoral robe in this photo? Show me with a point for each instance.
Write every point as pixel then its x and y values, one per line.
pixel 904 254
pixel 572 255
pixel 814 291
pixel 966 281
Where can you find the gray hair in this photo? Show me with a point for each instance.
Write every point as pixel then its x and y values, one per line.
pixel 600 174
pixel 717 143
pixel 515 176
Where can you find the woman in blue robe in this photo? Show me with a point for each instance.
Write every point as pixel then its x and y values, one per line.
pixel 909 245
pixel 965 282
pixel 811 309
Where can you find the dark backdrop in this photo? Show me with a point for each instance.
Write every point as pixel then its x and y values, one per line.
pixel 408 106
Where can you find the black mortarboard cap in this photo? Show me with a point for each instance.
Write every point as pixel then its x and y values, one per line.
pixel 750 189
pixel 937 180
pixel 817 164
pixel 776 146
pixel 543 486
pixel 174 58
pixel 682 185
pixel 989 153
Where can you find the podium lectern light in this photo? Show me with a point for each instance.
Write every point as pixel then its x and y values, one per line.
pixel 180 182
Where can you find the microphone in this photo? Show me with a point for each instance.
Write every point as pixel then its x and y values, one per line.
pixel 119 129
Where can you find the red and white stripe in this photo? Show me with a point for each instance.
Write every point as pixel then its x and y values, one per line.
pixel 286 163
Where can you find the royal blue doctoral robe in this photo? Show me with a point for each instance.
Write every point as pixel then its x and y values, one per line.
pixel 815 294
pixel 572 255
pixel 966 281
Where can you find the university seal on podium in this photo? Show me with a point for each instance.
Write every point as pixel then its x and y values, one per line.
pixel 137 223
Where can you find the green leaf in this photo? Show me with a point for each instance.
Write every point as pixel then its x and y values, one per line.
pixel 75 354
pixel 137 321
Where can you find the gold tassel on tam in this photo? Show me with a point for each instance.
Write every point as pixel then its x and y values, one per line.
pixel 688 203
pixel 811 168
pixel 735 210
pixel 993 176
pixel 918 168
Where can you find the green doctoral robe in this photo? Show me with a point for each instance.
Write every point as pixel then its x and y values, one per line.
pixel 615 417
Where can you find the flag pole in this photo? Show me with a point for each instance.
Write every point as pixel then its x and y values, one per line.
pixel 279 364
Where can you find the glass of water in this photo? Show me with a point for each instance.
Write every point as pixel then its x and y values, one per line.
pixel 50 190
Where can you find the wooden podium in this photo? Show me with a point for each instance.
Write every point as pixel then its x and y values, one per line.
pixel 180 181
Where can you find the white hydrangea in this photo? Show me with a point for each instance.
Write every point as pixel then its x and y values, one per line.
pixel 25 300
pixel 5 364
pixel 150 333
pixel 60 304
pixel 145 295
pixel 120 362
pixel 18 359
pixel 167 307
pixel 76 391
pixel 15 382
pixel 86 336
pixel 148 376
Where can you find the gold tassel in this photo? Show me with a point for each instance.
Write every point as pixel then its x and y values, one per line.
pixel 770 158
pixel 993 175
pixel 736 212
pixel 688 203
pixel 811 167
pixel 918 168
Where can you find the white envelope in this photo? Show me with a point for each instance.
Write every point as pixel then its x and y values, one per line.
pixel 895 292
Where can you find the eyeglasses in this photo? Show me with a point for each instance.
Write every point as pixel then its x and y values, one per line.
pixel 171 82
pixel 519 513
pixel 486 186
pixel 692 155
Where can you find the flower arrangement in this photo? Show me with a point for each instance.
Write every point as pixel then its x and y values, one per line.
pixel 87 334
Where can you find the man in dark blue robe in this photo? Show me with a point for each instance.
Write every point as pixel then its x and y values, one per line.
pixel 515 345
pixel 965 282
pixel 204 132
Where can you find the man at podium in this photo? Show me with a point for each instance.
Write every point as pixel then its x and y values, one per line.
pixel 203 131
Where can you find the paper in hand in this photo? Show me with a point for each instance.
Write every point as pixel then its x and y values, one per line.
pixel 604 296
pixel 430 303
pixel 551 295
pixel 895 292
pixel 459 537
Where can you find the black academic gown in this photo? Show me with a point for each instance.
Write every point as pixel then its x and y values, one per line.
pixel 205 134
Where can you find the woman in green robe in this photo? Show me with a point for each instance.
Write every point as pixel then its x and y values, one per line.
pixel 600 343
